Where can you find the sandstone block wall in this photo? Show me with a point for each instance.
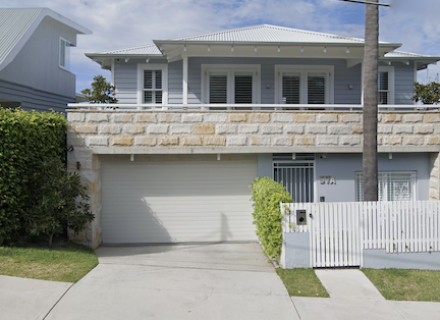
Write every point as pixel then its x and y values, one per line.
pixel 96 132
pixel 183 129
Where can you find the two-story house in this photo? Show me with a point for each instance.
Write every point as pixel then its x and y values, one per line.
pixel 199 118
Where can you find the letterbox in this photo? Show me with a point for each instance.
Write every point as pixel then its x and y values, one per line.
pixel 301 218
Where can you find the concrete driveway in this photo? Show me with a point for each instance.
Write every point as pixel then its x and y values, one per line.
pixel 213 281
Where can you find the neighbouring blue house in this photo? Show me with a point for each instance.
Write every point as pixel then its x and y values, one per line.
pixel 200 117
pixel 34 59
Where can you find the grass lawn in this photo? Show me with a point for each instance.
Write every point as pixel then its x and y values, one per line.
pixel 302 283
pixel 405 284
pixel 68 263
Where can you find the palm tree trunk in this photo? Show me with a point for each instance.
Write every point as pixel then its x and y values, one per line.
pixel 371 58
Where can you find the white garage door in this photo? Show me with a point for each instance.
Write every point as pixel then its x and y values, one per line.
pixel 177 201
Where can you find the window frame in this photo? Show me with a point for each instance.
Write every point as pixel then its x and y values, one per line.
pixel 303 71
pixel 413 182
pixel 390 70
pixel 64 55
pixel 141 67
pixel 230 70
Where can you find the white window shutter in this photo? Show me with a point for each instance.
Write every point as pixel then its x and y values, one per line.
pixel 316 89
pixel 291 89
pixel 218 92
pixel 152 86
pixel 243 89
pixel 383 88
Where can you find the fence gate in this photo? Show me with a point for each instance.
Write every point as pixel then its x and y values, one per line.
pixel 335 236
pixel 335 233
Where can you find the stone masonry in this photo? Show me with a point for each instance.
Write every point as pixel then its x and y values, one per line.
pixel 111 130
pixel 96 132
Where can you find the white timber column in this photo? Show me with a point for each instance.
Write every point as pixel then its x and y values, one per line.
pixel 185 80
pixel 113 72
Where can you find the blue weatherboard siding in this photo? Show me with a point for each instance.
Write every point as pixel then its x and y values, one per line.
pixel 125 75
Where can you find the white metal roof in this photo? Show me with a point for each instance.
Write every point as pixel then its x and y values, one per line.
pixel 401 54
pixel 270 33
pixel 150 49
pixel 260 34
pixel 255 34
pixel 18 24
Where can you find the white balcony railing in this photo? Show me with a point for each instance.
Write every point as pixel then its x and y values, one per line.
pixel 279 107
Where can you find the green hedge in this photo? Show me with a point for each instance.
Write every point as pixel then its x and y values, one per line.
pixel 26 140
pixel 267 196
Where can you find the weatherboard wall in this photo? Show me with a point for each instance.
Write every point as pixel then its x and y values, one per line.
pixel 125 81
pixel 37 64
pixel 32 99
pixel 403 83
pixel 347 81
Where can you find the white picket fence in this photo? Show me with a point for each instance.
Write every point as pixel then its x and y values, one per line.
pixel 340 231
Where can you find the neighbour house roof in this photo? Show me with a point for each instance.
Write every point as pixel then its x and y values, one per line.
pixel 18 24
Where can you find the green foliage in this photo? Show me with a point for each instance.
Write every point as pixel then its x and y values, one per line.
pixel 101 92
pixel 267 196
pixel 427 93
pixel 26 140
pixel 61 201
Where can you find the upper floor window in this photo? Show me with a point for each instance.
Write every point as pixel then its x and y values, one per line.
pixel 230 84
pixel 386 85
pixel 392 186
pixel 152 84
pixel 152 90
pixel 64 54
pixel 303 84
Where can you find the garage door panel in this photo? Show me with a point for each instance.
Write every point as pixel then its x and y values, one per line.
pixel 172 181
pixel 182 207
pixel 158 202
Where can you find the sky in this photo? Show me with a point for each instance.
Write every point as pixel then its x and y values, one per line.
pixel 120 24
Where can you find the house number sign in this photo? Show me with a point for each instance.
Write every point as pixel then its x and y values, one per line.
pixel 327 180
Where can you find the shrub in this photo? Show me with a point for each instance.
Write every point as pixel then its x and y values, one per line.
pixel 26 140
pixel 61 202
pixel 267 196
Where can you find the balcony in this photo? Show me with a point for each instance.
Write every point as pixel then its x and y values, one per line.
pixel 248 107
